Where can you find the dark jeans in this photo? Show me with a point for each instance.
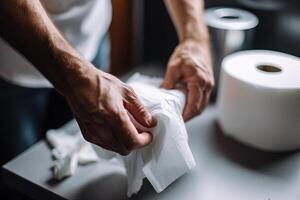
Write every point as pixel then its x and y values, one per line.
pixel 23 112
pixel 27 113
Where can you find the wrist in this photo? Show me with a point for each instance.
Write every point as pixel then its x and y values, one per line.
pixel 79 73
pixel 199 38
pixel 199 48
pixel 67 66
pixel 192 42
pixel 195 32
pixel 71 70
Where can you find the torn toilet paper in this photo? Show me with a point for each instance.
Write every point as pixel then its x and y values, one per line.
pixel 163 161
pixel 69 150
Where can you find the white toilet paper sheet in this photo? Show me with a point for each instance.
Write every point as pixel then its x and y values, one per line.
pixel 69 150
pixel 163 161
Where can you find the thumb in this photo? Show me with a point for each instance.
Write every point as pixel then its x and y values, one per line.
pixel 171 78
pixel 139 112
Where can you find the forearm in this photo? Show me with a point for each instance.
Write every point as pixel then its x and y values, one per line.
pixel 26 26
pixel 187 16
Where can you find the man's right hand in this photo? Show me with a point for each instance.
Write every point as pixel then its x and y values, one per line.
pixel 100 103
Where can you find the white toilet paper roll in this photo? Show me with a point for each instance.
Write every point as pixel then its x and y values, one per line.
pixel 231 30
pixel 259 99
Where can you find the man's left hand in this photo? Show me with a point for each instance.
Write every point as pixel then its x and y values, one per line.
pixel 190 64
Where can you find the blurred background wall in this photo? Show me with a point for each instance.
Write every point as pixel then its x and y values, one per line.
pixel 142 32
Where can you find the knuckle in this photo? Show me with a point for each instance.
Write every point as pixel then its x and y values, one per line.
pixel 114 113
pixel 103 108
pixel 120 114
pixel 191 67
pixel 201 83
pixel 112 109
pixel 131 97
pixel 187 63
pixel 199 78
pixel 172 66
pixel 209 84
pixel 204 80
pixel 142 110
pixel 129 93
pixel 130 89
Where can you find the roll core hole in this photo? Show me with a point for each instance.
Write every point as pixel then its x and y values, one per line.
pixel 230 17
pixel 268 68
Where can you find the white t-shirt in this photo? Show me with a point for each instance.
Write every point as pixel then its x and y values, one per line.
pixel 82 22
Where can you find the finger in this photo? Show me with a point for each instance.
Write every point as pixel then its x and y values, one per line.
pixel 205 102
pixel 118 145
pixel 172 76
pixel 98 133
pixel 128 134
pixel 121 148
pixel 138 111
pixel 101 135
pixel 193 102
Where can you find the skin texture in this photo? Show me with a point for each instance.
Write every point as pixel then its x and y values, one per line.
pixel 101 102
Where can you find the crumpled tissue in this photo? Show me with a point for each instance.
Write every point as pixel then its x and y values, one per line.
pixel 168 156
pixel 163 161
pixel 69 150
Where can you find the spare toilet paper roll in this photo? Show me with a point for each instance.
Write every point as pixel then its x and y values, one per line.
pixel 231 30
pixel 259 99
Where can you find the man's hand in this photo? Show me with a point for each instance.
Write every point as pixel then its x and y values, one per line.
pixel 100 103
pixel 190 64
